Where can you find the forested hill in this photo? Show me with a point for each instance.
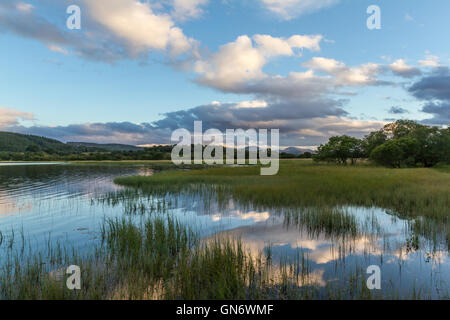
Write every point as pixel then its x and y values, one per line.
pixel 20 147
pixel 15 142
pixel 109 147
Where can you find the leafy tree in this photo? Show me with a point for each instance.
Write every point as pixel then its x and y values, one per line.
pixel 388 154
pixel 400 129
pixel 340 149
pixel 372 141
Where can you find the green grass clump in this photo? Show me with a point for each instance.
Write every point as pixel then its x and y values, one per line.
pixel 407 193
pixel 158 258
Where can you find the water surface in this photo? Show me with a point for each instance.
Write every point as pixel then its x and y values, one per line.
pixel 62 203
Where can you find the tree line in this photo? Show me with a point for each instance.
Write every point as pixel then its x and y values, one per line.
pixel 404 143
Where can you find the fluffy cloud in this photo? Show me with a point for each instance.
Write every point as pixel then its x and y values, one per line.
pixel 289 9
pixel 113 29
pixel 397 110
pixel 400 68
pixel 11 117
pixel 138 26
pixel 346 76
pixel 187 9
pixel 271 46
pixel 307 129
pixel 440 112
pixel 112 132
pixel 430 61
pixel 434 89
pixel 302 104
pixel 240 63
pixel 235 63
pixel 238 67
pixel 309 124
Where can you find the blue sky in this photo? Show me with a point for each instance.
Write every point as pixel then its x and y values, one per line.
pixel 229 63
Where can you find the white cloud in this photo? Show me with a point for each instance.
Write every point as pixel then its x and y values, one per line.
pixel 10 117
pixel 187 9
pixel 271 46
pixel 233 64
pixel 254 104
pixel 400 68
pixel 346 76
pixel 138 26
pixel 430 61
pixel 289 9
pixel 56 48
pixel 24 7
pixel 242 61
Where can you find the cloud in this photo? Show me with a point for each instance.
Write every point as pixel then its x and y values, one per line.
pixel 24 7
pixel 271 46
pixel 440 112
pixel 240 63
pixel 346 76
pixel 138 26
pixel 289 9
pixel 111 29
pixel 430 61
pixel 188 9
pixel 56 48
pixel 434 89
pixel 111 132
pixel 309 124
pixel 235 63
pixel 397 110
pixel 408 17
pixel 400 68
pixel 10 117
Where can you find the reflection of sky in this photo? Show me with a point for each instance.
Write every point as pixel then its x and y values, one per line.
pixel 333 259
pixel 55 202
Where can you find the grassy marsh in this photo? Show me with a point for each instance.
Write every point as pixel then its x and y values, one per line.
pixel 149 254
pixel 407 193
pixel 159 258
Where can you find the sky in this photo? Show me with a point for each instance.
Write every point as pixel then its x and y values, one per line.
pixel 137 70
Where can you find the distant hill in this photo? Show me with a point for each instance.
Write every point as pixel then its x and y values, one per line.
pixel 107 147
pixel 16 142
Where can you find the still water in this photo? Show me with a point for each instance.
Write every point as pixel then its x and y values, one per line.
pixel 60 203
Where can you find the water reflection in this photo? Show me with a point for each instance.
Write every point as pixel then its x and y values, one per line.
pixel 62 203
pixel 334 259
pixel 54 201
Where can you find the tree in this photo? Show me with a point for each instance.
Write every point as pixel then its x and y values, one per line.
pixel 372 141
pixel 340 149
pixel 400 129
pixel 397 152
pixel 388 154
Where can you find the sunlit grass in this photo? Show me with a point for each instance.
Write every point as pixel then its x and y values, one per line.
pixel 158 258
pixel 407 193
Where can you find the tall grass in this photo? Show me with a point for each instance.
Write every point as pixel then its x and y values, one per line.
pixel 406 193
pixel 158 258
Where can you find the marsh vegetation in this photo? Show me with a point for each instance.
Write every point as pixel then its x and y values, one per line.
pixel 228 233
